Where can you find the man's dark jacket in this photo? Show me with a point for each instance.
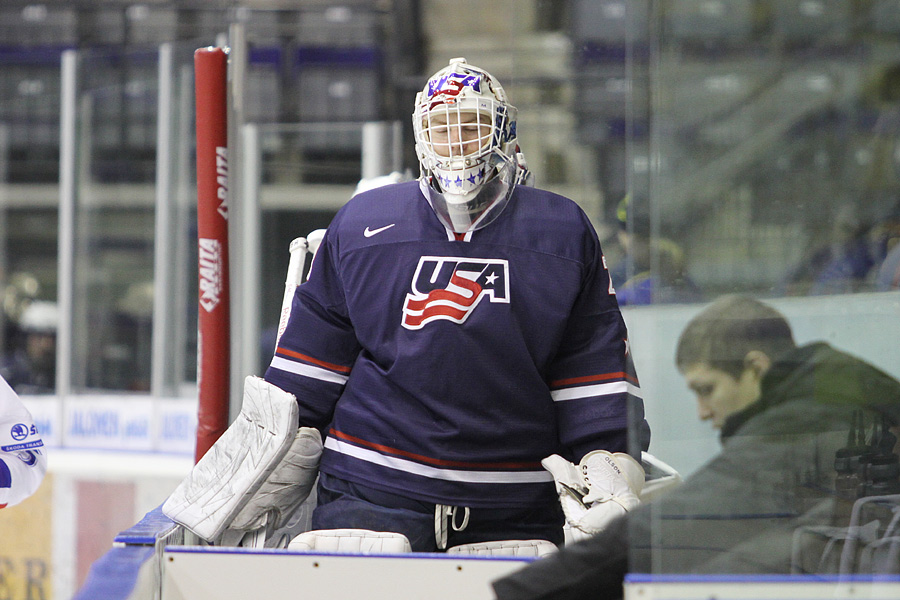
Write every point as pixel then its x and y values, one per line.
pixel 739 513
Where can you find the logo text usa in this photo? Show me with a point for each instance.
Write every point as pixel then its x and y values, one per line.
pixel 450 288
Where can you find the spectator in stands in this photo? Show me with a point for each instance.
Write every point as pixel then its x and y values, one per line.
pixel 889 272
pixel 18 290
pixel 636 278
pixel 30 368
pixel 788 417
pixel 841 265
pixel 885 243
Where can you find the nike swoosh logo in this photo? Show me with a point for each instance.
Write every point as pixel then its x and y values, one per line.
pixel 370 232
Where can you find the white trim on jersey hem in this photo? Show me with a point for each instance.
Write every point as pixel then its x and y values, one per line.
pixel 407 466
pixel 283 364
pixel 600 389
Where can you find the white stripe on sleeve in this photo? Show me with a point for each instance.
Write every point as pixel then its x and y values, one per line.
pixel 600 389
pixel 283 364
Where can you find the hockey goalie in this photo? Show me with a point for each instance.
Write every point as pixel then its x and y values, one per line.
pixel 454 374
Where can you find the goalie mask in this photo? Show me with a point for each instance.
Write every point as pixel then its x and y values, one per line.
pixel 465 132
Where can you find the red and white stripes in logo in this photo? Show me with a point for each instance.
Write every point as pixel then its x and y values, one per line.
pixel 449 288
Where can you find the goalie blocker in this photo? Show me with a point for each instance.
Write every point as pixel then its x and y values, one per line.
pixel 256 474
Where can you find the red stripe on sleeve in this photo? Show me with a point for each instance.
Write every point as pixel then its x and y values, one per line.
pixel 309 359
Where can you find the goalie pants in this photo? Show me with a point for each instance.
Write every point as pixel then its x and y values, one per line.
pixel 342 504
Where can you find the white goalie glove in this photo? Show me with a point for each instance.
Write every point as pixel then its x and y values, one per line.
pixel 602 487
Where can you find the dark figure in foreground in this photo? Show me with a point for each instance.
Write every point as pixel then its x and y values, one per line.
pixel 794 422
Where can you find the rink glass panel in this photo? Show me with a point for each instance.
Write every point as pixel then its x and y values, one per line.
pixel 132 200
pixel 762 140
pixel 758 135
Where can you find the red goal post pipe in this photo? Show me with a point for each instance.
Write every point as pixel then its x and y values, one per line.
pixel 214 342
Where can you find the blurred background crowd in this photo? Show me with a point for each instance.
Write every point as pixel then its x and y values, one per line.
pixel 719 146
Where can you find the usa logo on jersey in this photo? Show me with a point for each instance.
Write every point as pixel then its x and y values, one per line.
pixel 451 288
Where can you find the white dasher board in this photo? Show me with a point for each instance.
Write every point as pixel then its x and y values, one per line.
pixel 201 573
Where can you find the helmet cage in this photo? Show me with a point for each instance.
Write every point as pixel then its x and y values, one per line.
pixel 461 118
pixel 465 132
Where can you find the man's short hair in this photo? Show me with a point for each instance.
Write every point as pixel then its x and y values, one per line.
pixel 724 332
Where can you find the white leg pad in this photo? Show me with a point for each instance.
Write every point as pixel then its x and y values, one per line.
pixel 351 541
pixel 518 548
pixel 224 480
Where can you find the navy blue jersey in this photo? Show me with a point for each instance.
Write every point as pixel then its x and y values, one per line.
pixel 446 369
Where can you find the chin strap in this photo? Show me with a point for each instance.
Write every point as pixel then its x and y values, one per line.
pixel 523 175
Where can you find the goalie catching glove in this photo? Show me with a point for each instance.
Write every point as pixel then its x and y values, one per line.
pixel 602 487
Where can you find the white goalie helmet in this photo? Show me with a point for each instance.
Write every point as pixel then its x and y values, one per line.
pixel 465 131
